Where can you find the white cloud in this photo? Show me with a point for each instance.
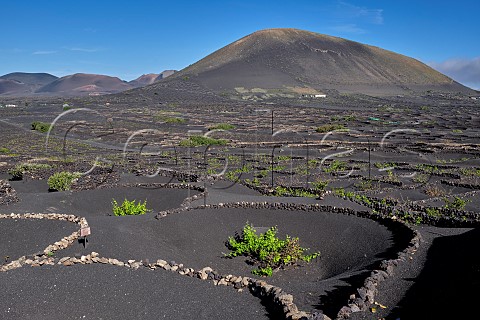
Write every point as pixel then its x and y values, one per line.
pixel 465 71
pixel 44 52
pixel 90 50
pixel 374 16
pixel 348 28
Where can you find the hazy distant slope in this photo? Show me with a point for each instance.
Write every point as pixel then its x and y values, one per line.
pixel 12 87
pixel 144 80
pixel 280 58
pixel 81 83
pixel 24 83
pixel 165 74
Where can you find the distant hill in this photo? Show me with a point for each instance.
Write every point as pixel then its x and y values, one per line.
pixel 12 87
pixel 31 84
pixel 165 74
pixel 144 80
pixel 84 84
pixel 24 83
pixel 296 61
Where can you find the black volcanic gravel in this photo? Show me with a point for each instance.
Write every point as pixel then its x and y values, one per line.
pixel 108 292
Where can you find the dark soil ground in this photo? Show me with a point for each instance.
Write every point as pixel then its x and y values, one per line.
pixel 433 157
pixel 106 292
pixel 27 237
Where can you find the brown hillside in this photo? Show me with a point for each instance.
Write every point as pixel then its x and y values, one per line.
pixel 84 83
pixel 144 80
pixel 286 58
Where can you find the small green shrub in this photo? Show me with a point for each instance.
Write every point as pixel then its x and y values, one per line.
pixel 4 150
pixel 233 175
pixel 470 171
pixel 391 177
pixel 41 126
pixel 17 172
pixel 418 220
pixel 457 203
pixel 255 182
pixel 267 250
pixel 196 141
pixel 320 185
pixel 20 169
pixel 336 166
pixel 280 191
pixel 278 168
pixel 284 158
pixel 62 181
pixel 428 168
pixel 330 127
pixel 169 117
pixel 446 161
pixel 222 126
pixel 175 120
pixel 420 178
pixel 432 212
pixel 364 185
pixel 129 208
pixel 384 165
pixel 263 272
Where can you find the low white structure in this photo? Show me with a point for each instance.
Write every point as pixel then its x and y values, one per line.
pixel 318 95
pixel 10 105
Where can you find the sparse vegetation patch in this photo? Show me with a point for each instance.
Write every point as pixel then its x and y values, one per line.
pixel 41 126
pixel 129 208
pixel 196 141
pixel 20 169
pixel 267 250
pixel 169 117
pixel 62 181
pixel 222 126
pixel 457 203
pixel 330 127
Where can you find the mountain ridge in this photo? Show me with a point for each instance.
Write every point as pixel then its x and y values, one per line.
pixel 280 62
pixel 84 83
pixel 283 58
pixel 24 82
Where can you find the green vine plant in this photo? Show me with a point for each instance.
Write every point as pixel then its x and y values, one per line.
pixel 457 203
pixel 129 208
pixel 62 181
pixel 20 169
pixel 267 251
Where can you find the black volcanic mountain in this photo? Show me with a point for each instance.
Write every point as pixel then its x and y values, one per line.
pixel 301 62
pixel 24 83
pixel 83 84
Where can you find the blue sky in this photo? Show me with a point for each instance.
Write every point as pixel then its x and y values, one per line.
pixel 128 39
